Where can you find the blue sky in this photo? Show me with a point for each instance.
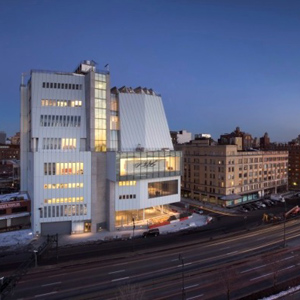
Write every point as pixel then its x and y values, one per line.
pixel 217 64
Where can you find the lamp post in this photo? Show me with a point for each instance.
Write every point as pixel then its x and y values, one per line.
pixel 180 258
pixel 133 227
pixel 35 252
pixel 245 221
pixel 284 221
pixel 1 283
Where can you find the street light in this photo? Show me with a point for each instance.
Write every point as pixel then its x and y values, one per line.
pixel 284 221
pixel 133 227
pixel 180 257
pixel 1 283
pixel 35 252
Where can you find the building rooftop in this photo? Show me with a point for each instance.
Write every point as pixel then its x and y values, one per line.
pixel 130 90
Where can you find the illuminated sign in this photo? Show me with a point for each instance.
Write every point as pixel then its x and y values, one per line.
pixel 137 166
pixel 10 205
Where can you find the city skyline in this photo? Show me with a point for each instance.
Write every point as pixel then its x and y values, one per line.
pixel 217 65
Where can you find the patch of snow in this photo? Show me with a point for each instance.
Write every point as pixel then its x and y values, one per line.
pixel 13 238
pixel 284 293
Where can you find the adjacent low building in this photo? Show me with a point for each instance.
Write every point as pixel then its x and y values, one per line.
pixel 224 175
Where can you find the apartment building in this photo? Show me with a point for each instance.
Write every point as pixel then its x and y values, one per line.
pixel 293 149
pixel 93 157
pixel 223 175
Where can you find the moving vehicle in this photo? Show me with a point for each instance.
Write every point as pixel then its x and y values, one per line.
pixel 151 232
pixel 292 212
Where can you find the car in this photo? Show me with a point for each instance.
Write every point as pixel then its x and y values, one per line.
pixel 259 204
pixel 151 232
pixel 248 207
pixel 198 211
pixel 254 206
pixel 267 203
pixel 243 209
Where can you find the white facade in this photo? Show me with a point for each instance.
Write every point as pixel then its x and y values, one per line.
pixel 76 138
pixel 143 122
pixel 183 137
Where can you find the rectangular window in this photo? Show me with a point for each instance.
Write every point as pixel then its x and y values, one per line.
pixel 162 188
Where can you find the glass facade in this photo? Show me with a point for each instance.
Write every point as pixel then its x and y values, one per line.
pixel 162 188
pixel 114 122
pixel 142 165
pixel 100 112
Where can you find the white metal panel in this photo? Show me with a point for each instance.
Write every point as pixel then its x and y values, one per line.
pixel 40 179
pixel 141 191
pixel 132 121
pixel 143 122
pixel 38 93
pixel 157 130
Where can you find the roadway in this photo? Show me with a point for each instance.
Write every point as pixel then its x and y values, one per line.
pixel 152 266
pixel 242 263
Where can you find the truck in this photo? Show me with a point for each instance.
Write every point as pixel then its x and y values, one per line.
pixel 277 197
pixel 292 212
pixel 269 217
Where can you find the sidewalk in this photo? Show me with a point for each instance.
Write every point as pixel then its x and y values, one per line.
pixel 14 240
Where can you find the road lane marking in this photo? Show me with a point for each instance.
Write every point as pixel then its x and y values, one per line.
pixel 117 272
pixel 188 287
pixel 287 268
pixel 286 258
pixel 224 248
pixel 123 278
pixel 55 275
pixel 53 283
pixel 260 276
pixel 182 265
pixel 43 295
pixel 231 252
pixel 195 297
pixel 248 270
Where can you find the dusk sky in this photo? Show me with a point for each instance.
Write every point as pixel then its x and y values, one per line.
pixel 217 64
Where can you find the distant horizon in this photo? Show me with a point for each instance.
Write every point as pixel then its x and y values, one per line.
pixel 193 135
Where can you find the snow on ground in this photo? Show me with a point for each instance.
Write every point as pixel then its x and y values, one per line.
pixel 15 239
pixel 282 294
pixel 7 197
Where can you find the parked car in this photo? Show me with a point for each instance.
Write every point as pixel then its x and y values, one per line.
pixel 254 206
pixel 248 207
pixel 198 211
pixel 151 232
pixel 259 204
pixel 243 209
pixel 267 203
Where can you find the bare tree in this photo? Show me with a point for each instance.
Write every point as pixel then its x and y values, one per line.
pixel 228 276
pixel 274 263
pixel 130 292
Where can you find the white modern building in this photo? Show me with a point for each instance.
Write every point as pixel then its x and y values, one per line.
pixel 93 157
